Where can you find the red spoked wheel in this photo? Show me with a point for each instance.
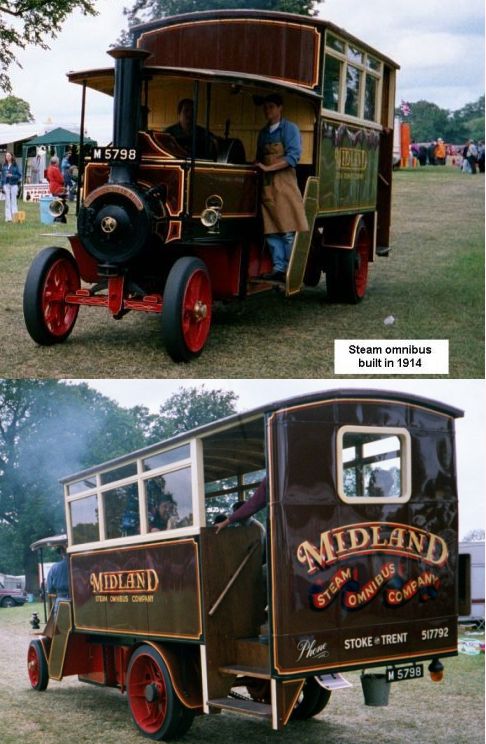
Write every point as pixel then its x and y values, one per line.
pixel 187 307
pixel 53 274
pixel 154 705
pixel 37 666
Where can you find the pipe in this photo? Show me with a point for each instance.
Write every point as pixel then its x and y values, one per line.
pixel 126 106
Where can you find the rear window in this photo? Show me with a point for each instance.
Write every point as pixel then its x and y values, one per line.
pixel 373 464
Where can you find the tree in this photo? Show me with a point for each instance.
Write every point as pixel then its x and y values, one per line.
pixel 148 10
pixel 14 110
pixel 190 408
pixel 428 121
pixel 26 23
pixel 49 429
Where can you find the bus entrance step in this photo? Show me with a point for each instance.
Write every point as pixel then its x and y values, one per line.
pixel 247 671
pixel 246 707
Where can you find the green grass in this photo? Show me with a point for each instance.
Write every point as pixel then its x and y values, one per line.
pixel 69 711
pixel 432 283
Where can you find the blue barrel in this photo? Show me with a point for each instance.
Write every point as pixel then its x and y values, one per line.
pixel 45 216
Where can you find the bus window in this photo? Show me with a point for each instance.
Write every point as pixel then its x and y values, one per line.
pixel 124 471
pixel 332 83
pixel 353 77
pixel 121 511
pixel 371 88
pixel 373 465
pixel 81 485
pixel 162 459
pixel 169 500
pixel 85 520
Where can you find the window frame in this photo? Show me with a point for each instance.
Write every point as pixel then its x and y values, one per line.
pixel 193 462
pixel 365 69
pixel 405 464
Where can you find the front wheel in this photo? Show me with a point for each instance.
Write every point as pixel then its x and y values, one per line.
pixel 186 311
pixel 154 705
pixel 8 602
pixel 37 666
pixel 53 274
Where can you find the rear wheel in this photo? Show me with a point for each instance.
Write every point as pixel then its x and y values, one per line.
pixel 312 699
pixel 154 705
pixel 186 311
pixel 8 602
pixel 37 666
pixel 347 269
pixel 53 274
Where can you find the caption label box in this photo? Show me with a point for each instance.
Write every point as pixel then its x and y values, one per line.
pixel 385 357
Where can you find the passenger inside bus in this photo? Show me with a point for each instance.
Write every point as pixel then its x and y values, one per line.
pixel 182 131
pixel 165 516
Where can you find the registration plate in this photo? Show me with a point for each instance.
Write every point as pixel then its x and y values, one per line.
pixel 115 154
pixel 401 673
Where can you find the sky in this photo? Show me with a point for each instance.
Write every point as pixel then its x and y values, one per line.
pixel 467 395
pixel 438 44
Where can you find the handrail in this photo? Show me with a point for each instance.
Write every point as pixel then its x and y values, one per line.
pixel 233 579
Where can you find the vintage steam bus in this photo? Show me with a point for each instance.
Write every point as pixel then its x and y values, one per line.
pixel 360 571
pixel 167 230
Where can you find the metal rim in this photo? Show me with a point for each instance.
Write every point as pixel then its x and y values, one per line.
pixel 33 666
pixel 196 310
pixel 147 692
pixel 61 279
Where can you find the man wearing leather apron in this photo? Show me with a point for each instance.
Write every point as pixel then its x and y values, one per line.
pixel 279 149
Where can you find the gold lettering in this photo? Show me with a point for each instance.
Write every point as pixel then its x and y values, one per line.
pixel 397 538
pixel 354 534
pixel 441 558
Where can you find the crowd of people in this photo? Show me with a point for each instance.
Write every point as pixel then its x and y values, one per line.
pixel 469 156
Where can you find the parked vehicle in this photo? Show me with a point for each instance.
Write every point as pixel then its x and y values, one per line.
pixel 167 231
pixel 361 561
pixel 11 596
pixel 471 583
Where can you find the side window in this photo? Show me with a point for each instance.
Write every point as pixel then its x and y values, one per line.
pixel 121 511
pixel 332 82
pixel 373 464
pixel 169 500
pixel 85 520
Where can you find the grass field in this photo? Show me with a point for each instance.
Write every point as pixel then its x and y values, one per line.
pixel 432 283
pixel 69 711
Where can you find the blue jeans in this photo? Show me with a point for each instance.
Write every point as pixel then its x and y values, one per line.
pixel 280 245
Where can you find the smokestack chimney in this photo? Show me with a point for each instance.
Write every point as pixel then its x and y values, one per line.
pixel 127 106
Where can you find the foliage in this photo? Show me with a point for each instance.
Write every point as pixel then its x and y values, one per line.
pixel 48 429
pixel 190 408
pixel 147 10
pixel 14 110
pixel 428 122
pixel 29 23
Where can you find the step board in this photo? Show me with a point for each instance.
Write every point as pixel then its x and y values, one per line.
pixel 246 707
pixel 247 671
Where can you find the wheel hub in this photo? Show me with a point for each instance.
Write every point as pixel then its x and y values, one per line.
pixel 200 310
pixel 151 693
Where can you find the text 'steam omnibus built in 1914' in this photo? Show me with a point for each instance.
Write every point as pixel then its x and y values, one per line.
pixel 163 230
pixel 361 561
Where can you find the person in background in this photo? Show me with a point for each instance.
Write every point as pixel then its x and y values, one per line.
pixel 66 173
pixel 279 149
pixel 56 184
pixel 246 509
pixel 481 156
pixel 9 180
pixel 58 577
pixel 440 152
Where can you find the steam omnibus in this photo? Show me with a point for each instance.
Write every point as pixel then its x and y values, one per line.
pixel 360 572
pixel 167 230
